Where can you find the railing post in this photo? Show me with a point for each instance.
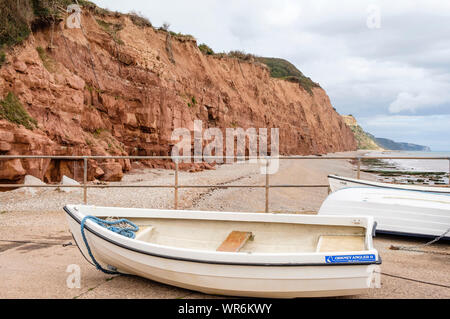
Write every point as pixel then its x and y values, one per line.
pixel 85 164
pixel 267 186
pixel 358 174
pixel 176 186
pixel 449 171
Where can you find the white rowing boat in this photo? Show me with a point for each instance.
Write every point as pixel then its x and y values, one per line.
pixel 395 211
pixel 339 182
pixel 238 254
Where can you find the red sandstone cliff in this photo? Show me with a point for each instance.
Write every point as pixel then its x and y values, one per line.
pixel 98 95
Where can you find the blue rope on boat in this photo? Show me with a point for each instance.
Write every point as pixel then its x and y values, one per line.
pixel 127 232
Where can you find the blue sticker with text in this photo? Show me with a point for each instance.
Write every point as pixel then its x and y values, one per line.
pixel 350 259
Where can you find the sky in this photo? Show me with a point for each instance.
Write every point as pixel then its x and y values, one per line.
pixel 385 62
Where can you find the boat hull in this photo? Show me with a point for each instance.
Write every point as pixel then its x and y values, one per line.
pixel 284 281
pixel 400 212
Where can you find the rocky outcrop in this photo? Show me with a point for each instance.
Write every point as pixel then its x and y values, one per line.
pixel 364 140
pixel 98 93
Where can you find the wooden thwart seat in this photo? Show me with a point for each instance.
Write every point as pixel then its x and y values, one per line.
pixel 336 243
pixel 235 241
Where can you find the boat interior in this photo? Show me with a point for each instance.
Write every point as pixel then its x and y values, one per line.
pixel 249 237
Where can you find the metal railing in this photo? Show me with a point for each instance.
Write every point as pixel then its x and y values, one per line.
pixel 176 159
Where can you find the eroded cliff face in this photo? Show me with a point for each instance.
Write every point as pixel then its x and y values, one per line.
pixel 98 92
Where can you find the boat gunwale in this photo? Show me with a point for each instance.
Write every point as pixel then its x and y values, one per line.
pixel 419 188
pixel 137 250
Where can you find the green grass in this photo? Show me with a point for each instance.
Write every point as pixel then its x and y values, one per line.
pixel 282 69
pixel 2 57
pixel 98 132
pixel 111 29
pixel 48 61
pixel 205 49
pixel 304 82
pixel 192 102
pixel 92 89
pixel 12 110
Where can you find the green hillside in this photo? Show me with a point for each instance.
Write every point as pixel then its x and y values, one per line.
pixel 280 68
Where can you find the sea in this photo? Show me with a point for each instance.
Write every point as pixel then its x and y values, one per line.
pixel 417 165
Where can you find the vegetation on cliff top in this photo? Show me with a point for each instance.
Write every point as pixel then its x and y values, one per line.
pixel 12 110
pixel 139 20
pixel 279 68
pixel 205 49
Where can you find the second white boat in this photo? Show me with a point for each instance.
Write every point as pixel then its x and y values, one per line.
pixel 396 211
